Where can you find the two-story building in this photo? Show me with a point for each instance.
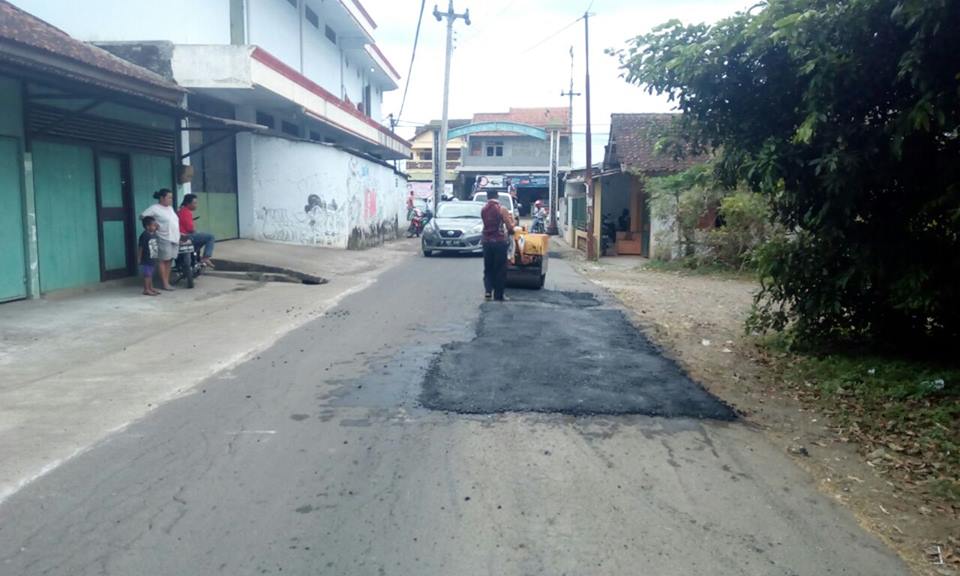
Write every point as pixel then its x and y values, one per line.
pixel 308 70
pixel 420 166
pixel 519 159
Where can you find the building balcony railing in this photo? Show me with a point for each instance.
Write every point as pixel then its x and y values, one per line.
pixel 428 165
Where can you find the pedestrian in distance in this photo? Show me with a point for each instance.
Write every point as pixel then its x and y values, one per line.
pixel 411 199
pixel 148 251
pixel 497 234
pixel 168 234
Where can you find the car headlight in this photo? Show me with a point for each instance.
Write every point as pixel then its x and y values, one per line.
pixel 477 228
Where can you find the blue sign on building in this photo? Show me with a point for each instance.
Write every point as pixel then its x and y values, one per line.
pixel 530 180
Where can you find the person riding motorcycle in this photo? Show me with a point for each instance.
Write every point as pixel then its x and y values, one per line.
pixel 418 221
pixel 539 214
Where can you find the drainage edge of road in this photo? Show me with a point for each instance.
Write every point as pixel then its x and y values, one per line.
pixel 264 273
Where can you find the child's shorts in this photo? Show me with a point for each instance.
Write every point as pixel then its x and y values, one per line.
pixel 146 270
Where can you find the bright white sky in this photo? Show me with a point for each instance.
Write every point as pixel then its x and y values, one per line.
pixel 506 59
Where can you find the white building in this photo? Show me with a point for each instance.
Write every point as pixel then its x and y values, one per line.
pixel 308 70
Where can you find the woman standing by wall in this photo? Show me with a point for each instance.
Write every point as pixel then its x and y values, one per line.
pixel 168 233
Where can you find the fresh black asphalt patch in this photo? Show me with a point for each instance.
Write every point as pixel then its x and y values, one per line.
pixel 562 352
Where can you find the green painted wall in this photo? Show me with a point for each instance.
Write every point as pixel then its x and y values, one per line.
pixel 149 174
pixel 13 269
pixel 13 280
pixel 11 108
pixel 218 214
pixel 67 239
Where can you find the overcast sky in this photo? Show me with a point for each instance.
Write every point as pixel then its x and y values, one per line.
pixel 517 53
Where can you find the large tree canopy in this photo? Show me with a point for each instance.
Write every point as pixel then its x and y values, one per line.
pixel 845 114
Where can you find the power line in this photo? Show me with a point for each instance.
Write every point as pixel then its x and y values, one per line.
pixel 477 32
pixel 413 56
pixel 550 37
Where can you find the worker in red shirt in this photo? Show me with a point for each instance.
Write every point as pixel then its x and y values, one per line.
pixel 188 229
pixel 497 228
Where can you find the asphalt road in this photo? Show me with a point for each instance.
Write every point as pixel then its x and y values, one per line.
pixel 375 441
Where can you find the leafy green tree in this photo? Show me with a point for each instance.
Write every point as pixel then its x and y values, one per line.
pixel 845 115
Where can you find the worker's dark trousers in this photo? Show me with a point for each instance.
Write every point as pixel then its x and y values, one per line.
pixel 495 268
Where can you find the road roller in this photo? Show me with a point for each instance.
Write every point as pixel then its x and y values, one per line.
pixel 527 260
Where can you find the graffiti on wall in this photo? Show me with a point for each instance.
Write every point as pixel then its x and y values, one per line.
pixel 350 203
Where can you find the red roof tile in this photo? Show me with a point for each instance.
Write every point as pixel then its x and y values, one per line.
pixel 546 117
pixel 633 143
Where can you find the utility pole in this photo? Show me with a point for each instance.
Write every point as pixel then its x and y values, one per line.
pixel 552 229
pixel 588 175
pixel 554 182
pixel 440 161
pixel 571 93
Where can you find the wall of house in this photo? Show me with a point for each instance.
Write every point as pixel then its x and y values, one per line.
pixel 66 195
pixel 517 151
pixel 321 58
pixel 274 25
pixel 353 79
pixel 317 195
pixel 616 195
pixel 376 103
pixel 179 21
pixel 13 256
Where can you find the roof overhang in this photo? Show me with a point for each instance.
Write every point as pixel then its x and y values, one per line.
pixel 254 75
pixel 510 127
pixel 42 67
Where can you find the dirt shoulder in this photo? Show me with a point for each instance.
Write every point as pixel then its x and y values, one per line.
pixel 699 320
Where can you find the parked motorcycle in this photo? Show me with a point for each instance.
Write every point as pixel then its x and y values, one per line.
pixel 418 222
pixel 187 265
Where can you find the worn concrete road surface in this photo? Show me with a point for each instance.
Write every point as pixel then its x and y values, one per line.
pixel 374 441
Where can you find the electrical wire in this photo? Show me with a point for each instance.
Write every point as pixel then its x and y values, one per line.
pixel 550 37
pixel 413 56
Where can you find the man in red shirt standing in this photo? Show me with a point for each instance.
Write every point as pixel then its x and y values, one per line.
pixel 497 228
pixel 187 228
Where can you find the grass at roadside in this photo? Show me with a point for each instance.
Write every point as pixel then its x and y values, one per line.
pixel 904 414
pixel 694 267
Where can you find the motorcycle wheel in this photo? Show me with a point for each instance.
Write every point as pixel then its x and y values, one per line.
pixel 187 269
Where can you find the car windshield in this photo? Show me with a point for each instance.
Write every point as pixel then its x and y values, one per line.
pixel 504 199
pixel 460 210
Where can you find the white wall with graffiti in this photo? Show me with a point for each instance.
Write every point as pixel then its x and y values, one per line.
pixel 317 195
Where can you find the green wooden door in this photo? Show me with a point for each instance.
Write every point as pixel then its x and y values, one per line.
pixel 13 273
pixel 115 216
pixel 68 241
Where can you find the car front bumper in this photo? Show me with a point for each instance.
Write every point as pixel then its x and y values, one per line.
pixel 466 243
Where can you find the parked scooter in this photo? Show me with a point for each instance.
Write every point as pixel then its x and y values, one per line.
pixel 187 265
pixel 418 222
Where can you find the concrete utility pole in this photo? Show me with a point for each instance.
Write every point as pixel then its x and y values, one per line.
pixel 571 94
pixel 588 175
pixel 440 161
pixel 554 182
pixel 552 229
